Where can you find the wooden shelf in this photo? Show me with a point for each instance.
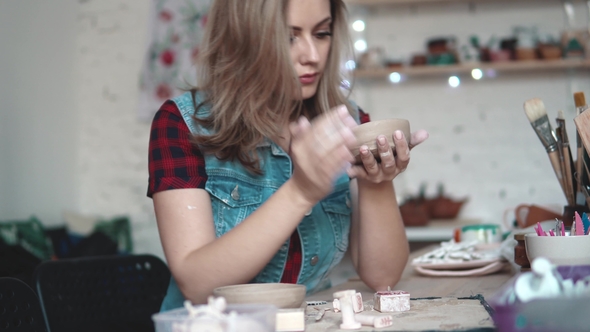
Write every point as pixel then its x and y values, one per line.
pixel 499 67
pixel 417 2
pixel 437 230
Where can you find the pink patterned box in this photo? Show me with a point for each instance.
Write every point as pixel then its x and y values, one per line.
pixel 392 301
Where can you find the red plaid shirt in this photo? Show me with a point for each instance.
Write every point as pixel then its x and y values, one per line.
pixel 175 163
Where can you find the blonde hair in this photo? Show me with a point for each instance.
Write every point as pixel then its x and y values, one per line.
pixel 246 76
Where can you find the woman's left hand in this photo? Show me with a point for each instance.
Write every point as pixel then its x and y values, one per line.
pixel 391 165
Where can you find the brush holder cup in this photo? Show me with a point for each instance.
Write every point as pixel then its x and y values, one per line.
pixel 569 213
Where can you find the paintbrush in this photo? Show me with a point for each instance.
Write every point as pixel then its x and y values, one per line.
pixel 582 122
pixel 558 141
pixel 580 102
pixel 584 184
pixel 537 115
pixel 566 162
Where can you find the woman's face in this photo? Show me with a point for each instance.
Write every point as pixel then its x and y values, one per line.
pixel 311 34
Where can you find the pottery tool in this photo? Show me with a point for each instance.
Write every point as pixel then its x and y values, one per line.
pixel 559 228
pixel 586 222
pixel 321 312
pixel 376 321
pixel 573 228
pixel 348 320
pixel 539 229
pixel 537 115
pixel 567 161
pixel 580 102
pixel 579 225
pixel 314 303
pixel 562 229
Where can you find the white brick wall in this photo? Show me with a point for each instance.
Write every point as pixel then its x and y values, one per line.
pixel 481 143
pixel 112 37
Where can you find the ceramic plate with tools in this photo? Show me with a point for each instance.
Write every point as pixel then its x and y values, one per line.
pixel 457 265
pixel 459 259
pixel 479 271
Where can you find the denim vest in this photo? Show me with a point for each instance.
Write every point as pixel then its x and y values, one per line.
pixel 235 193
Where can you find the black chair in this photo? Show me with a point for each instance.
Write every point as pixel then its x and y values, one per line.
pixel 17 262
pixel 110 293
pixel 20 310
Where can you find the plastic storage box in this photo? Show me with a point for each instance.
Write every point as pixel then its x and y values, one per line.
pixel 249 317
pixel 554 314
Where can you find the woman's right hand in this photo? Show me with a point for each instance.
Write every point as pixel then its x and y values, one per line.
pixel 320 151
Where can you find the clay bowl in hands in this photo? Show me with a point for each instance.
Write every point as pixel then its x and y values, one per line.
pixel 366 134
pixel 281 295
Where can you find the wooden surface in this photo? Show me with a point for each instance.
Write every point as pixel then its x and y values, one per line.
pixel 424 286
pixel 444 313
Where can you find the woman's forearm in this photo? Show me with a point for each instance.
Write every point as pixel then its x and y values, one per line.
pixel 240 254
pixel 382 244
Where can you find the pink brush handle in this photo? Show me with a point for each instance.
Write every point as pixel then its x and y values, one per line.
pixel 539 230
pixel 579 224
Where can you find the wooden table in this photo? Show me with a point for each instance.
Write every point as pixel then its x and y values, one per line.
pixel 423 286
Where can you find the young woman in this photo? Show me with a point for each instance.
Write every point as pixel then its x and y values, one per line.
pixel 258 157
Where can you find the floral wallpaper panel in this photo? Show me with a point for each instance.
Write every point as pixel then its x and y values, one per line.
pixel 176 31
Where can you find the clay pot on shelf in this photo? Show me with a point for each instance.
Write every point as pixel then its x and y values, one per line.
pixel 393 64
pixel 524 54
pixel 415 212
pixel 438 46
pixel 441 59
pixel 485 55
pixel 443 207
pixel 419 60
pixel 550 52
pixel 500 55
pixel 509 44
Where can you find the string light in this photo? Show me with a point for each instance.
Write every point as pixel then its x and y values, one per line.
pixel 454 81
pixel 358 25
pixel 350 65
pixel 477 74
pixel 395 77
pixel 360 45
pixel 345 84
